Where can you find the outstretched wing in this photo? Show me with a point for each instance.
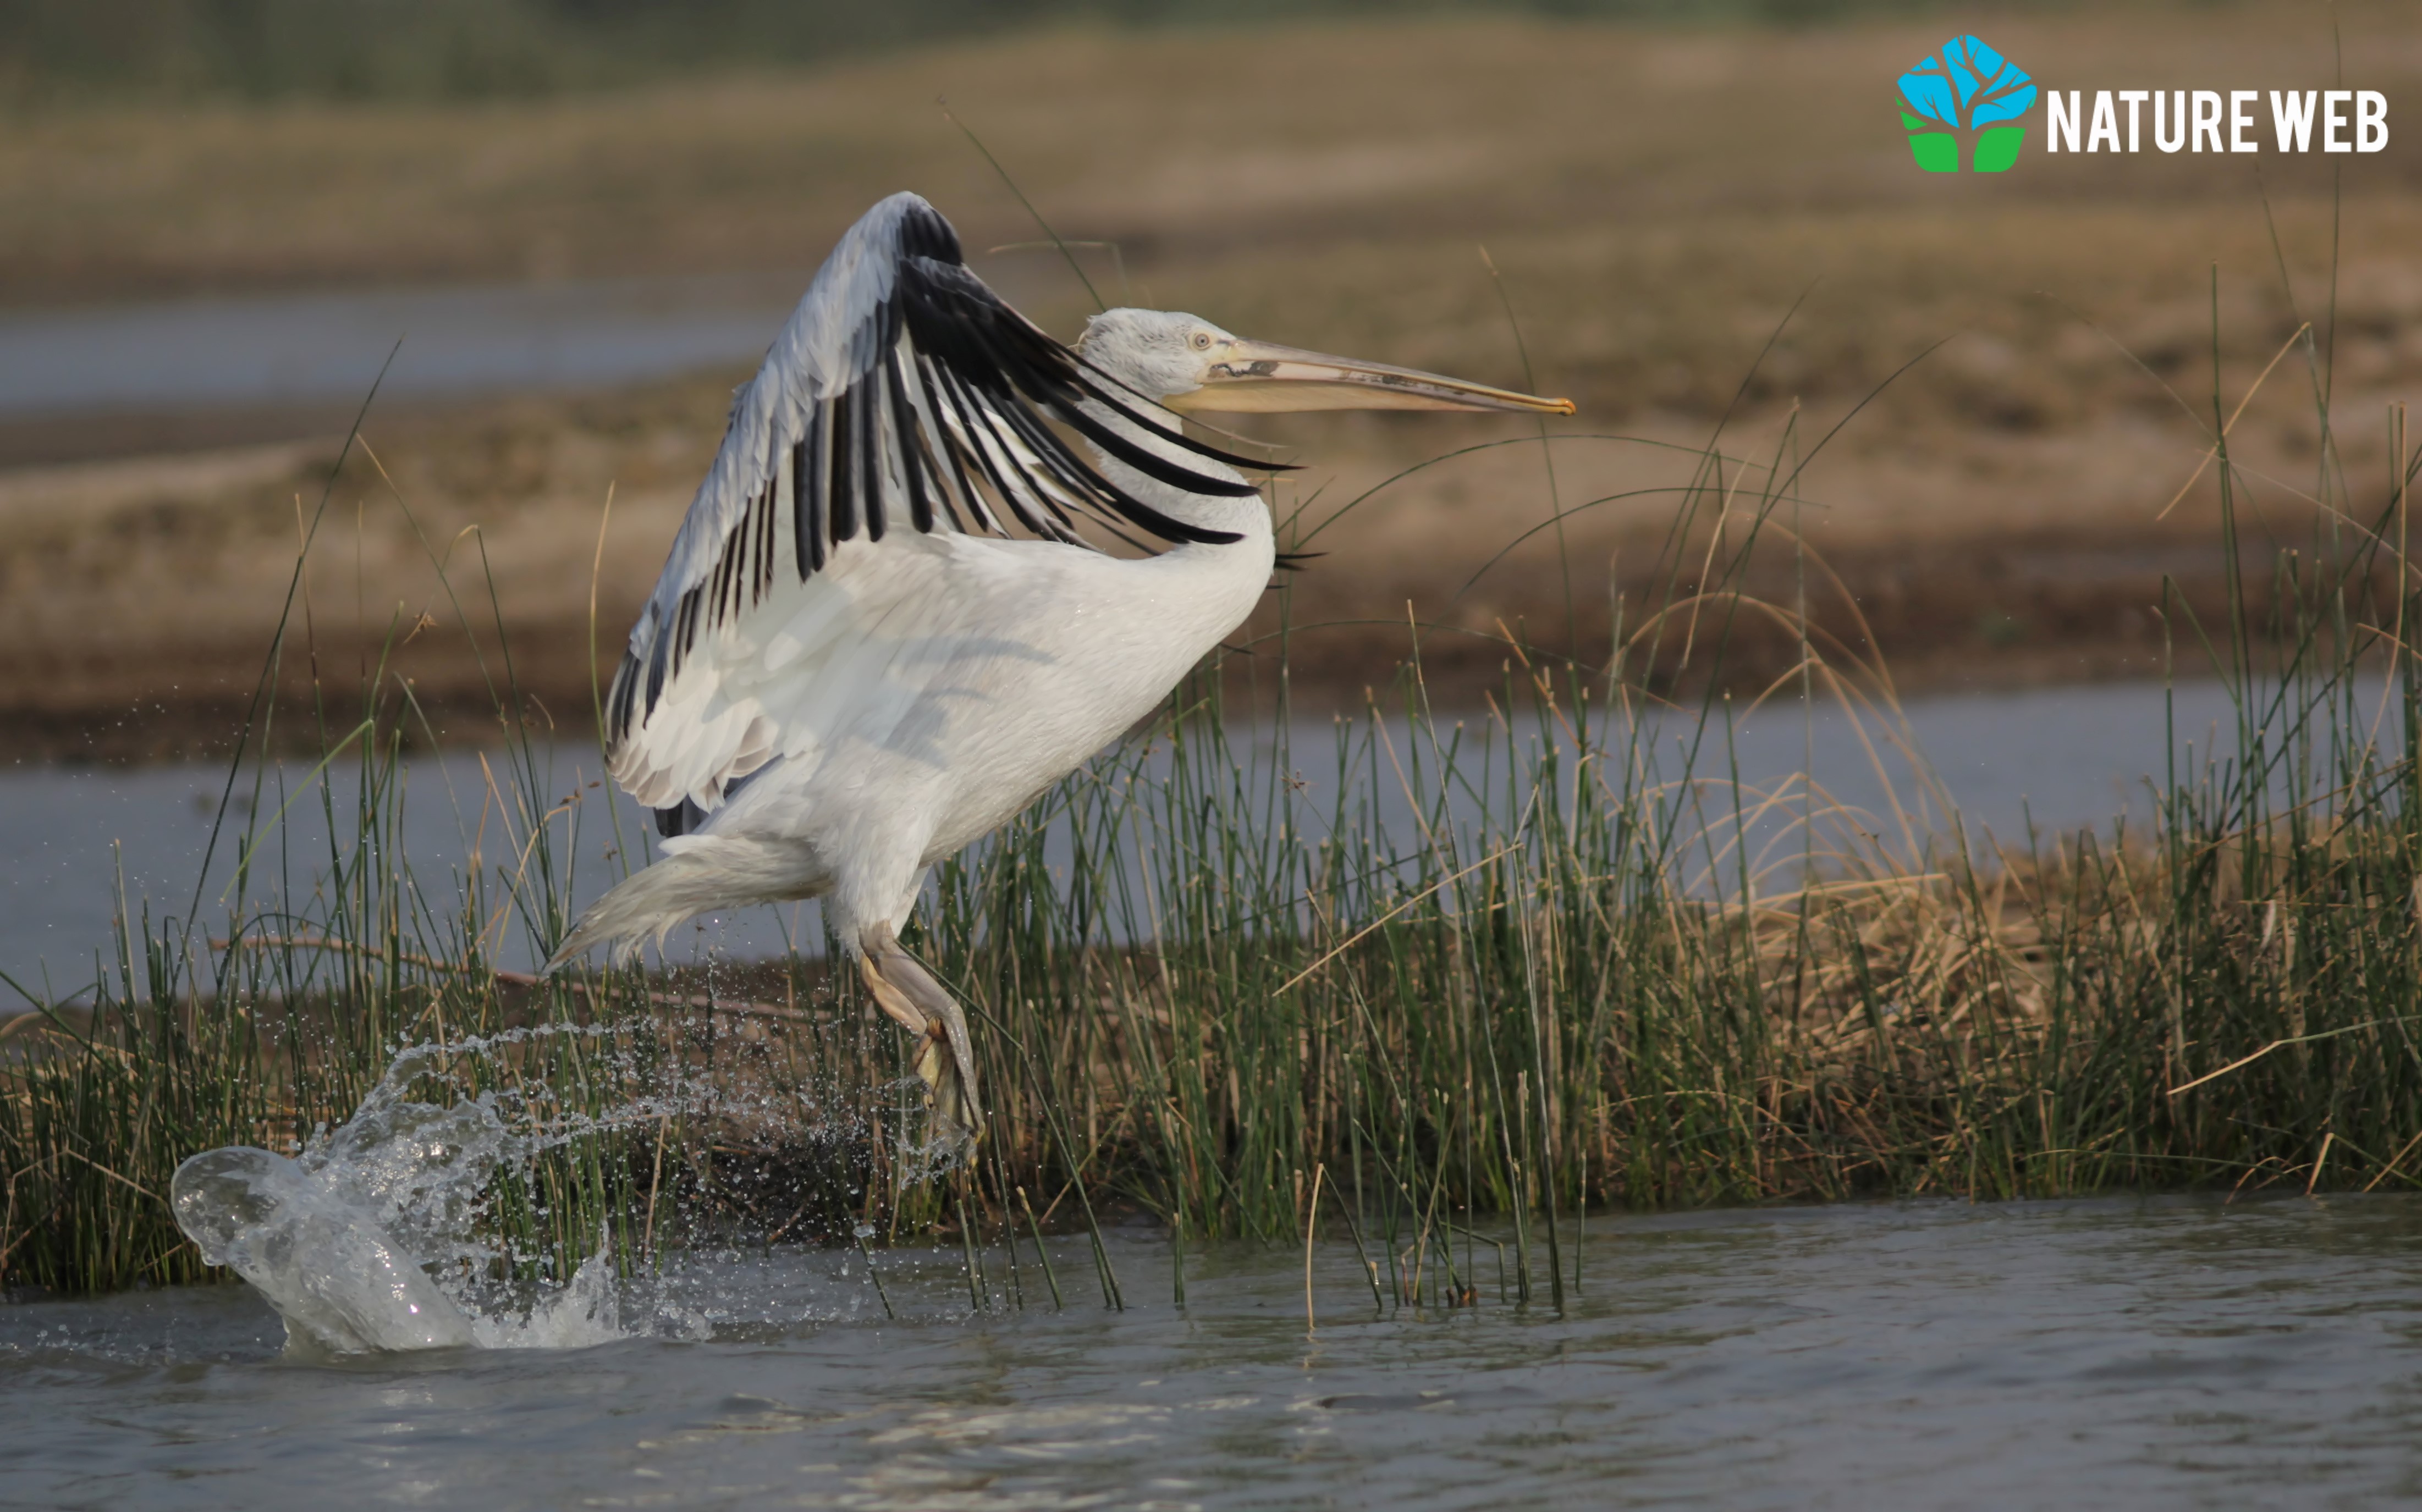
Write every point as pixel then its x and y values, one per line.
pixel 902 395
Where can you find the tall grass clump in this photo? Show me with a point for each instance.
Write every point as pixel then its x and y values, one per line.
pixel 1515 962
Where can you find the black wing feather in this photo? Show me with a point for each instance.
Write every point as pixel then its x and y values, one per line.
pixel 954 395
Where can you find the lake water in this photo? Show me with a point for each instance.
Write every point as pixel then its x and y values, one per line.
pixel 2173 1353
pixel 317 351
pixel 2062 758
pixel 327 349
pixel 2110 1353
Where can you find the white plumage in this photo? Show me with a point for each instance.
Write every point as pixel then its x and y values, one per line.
pixel 851 668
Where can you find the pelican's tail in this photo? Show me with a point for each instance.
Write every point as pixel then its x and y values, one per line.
pixel 641 905
pixel 695 874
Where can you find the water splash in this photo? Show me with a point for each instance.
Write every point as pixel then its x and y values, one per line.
pixel 371 1237
pixel 339 1279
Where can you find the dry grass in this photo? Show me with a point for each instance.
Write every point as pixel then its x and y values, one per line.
pixel 1657 201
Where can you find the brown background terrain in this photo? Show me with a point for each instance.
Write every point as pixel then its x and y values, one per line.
pixel 1656 201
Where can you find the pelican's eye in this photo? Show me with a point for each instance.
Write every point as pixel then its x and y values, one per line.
pixel 1202 341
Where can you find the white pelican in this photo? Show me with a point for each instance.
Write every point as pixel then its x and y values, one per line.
pixel 850 669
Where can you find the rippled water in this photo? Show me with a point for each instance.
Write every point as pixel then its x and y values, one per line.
pixel 2177 1352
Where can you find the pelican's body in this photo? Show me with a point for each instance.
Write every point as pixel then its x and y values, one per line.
pixel 849 670
pixel 932 691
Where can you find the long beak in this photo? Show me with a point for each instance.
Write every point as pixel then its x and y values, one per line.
pixel 1260 377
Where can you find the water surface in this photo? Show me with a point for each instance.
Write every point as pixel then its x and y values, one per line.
pixel 321 349
pixel 328 349
pixel 2110 1353
pixel 2054 757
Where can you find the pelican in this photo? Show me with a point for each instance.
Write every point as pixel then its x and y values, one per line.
pixel 879 636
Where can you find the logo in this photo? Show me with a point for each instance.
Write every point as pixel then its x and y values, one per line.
pixel 1966 95
pixel 2194 120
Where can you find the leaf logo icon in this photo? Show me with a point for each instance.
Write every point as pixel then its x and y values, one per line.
pixel 1966 92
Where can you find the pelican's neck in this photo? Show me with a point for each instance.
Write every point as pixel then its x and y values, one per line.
pixel 1246 516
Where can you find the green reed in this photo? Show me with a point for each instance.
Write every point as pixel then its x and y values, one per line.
pixel 1593 968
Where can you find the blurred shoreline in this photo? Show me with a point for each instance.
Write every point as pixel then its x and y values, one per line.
pixel 1693 227
pixel 162 577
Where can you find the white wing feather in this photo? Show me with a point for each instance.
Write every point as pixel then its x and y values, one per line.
pixel 776 625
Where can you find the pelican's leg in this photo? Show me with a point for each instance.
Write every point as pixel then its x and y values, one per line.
pixel 945 1058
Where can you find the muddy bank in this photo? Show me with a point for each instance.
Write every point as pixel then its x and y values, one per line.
pixel 464 553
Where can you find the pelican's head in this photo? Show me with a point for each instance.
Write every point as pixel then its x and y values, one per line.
pixel 1189 363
